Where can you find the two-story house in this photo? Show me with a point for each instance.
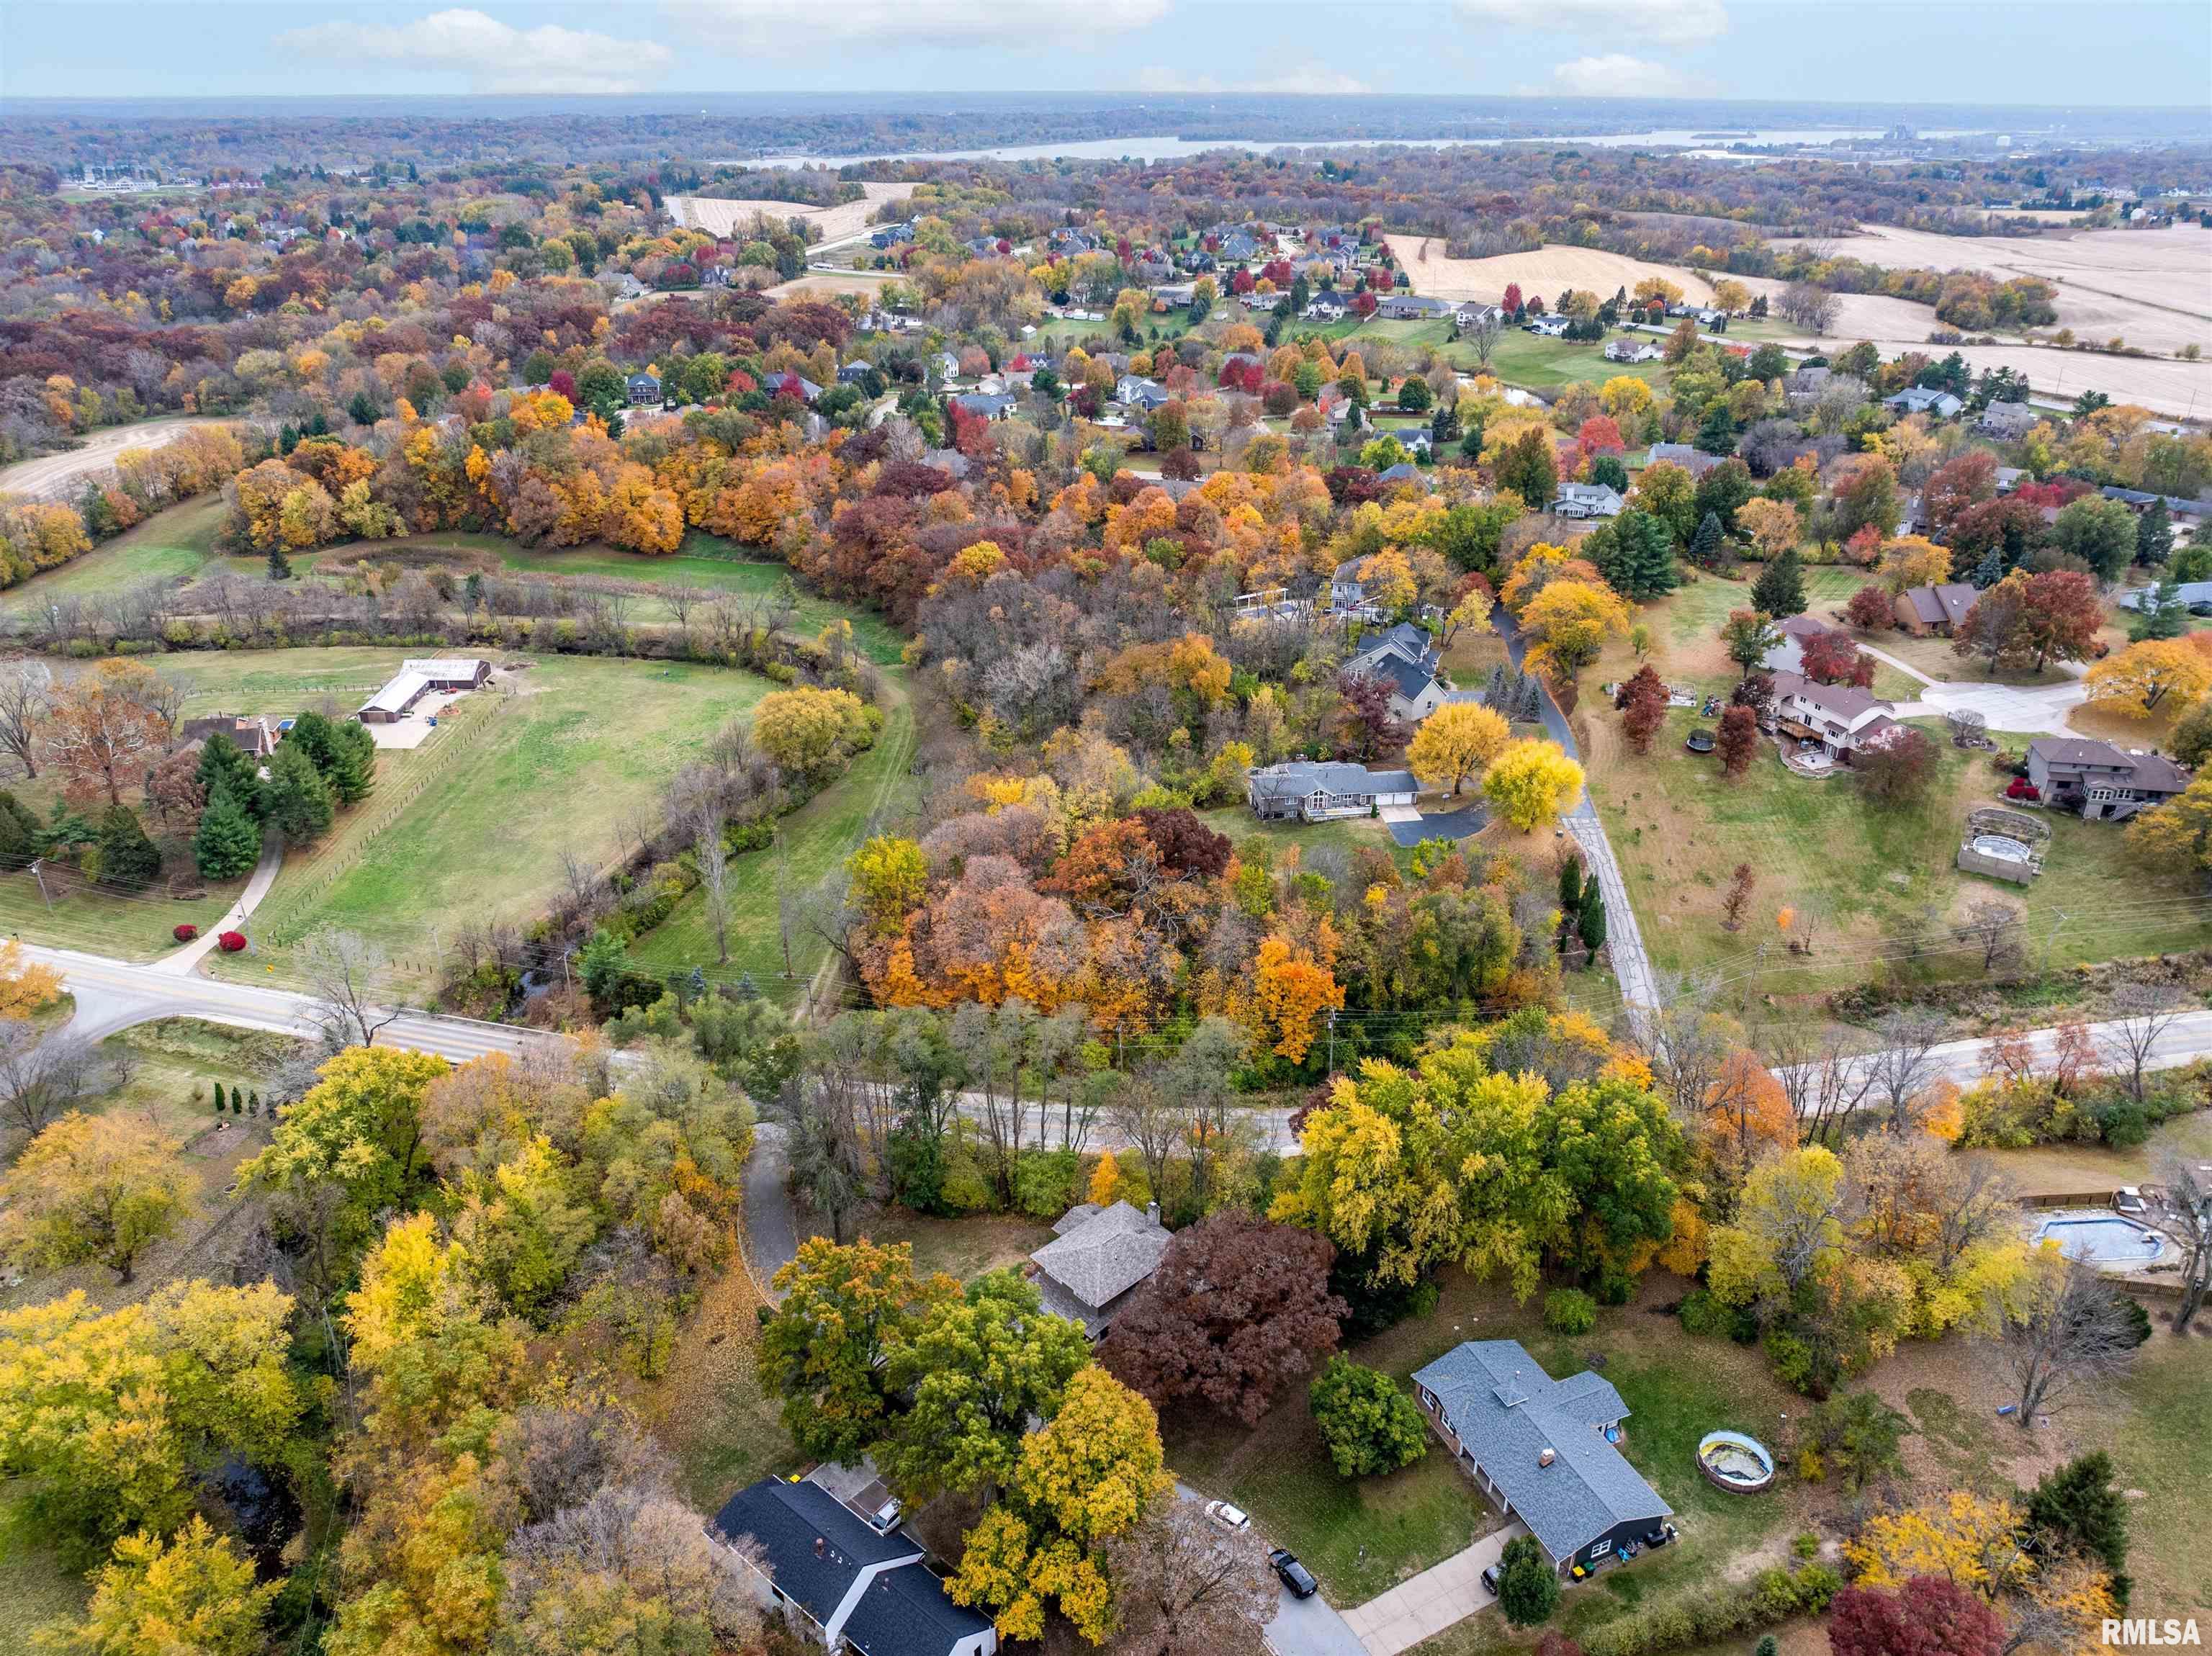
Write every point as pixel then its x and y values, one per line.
pixel 1841 718
pixel 2105 784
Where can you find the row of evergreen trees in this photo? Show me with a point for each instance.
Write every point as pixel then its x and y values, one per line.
pixel 238 1101
pixel 321 764
pixel 1581 907
pixel 113 849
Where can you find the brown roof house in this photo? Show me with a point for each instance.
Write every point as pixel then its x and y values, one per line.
pixel 1841 718
pixel 1938 609
pixel 255 737
pixel 1096 1259
pixel 2105 784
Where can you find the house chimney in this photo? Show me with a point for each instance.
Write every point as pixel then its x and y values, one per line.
pixel 1543 1459
pixel 820 1545
pixel 1152 1212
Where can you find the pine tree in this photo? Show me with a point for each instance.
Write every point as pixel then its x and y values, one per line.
pixel 218 1098
pixel 1990 570
pixel 224 764
pixel 253 1102
pixel 19 833
pixel 280 567
pixel 1591 921
pixel 2154 535
pixel 312 732
pixel 127 857
pixel 300 806
pixel 1780 589
pixel 352 770
pixel 1705 544
pixel 228 841
pixel 1570 885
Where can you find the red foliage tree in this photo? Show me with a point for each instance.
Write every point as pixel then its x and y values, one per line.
pixel 1738 741
pixel 1831 657
pixel 1366 724
pixel 1598 434
pixel 1186 847
pixel 2059 616
pixel 1643 702
pixel 1870 609
pixel 1511 303
pixel 1928 1617
pixel 1363 304
pixel 1238 1309
pixel 1897 772
pixel 1864 546
pixel 1956 485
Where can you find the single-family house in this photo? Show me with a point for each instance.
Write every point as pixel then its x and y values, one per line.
pixel 1587 500
pixel 1404 642
pixel 1841 718
pixel 1172 293
pixel 2007 421
pixel 786 383
pixel 643 389
pixel 1412 307
pixel 1689 456
pixel 1545 1450
pixel 946 364
pixel 1626 350
pixel 255 737
pixel 1327 306
pixel 1320 790
pixel 1405 472
pixel 1134 391
pixel 1809 381
pixel 2142 500
pixel 838 1582
pixel 852 374
pixel 1788 656
pixel 1552 327
pixel 1239 248
pixel 1924 399
pixel 1473 313
pixel 2105 784
pixel 1346 591
pixel 985 405
pixel 1096 1258
pixel 1921 610
pixel 2193 594
pixel 1415 690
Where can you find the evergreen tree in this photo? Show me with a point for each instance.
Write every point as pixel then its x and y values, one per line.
pixel 223 764
pixel 352 773
pixel 311 732
pixel 127 857
pixel 280 567
pixel 20 833
pixel 218 1098
pixel 1570 885
pixel 361 410
pixel 228 840
pixel 1590 922
pixel 1780 588
pixel 1717 431
pixel 254 1101
pixel 1635 552
pixel 2077 1506
pixel 2163 615
pixel 1990 571
pixel 300 804
pixel 2154 536
pixel 1705 544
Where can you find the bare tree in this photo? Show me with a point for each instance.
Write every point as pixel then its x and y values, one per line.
pixel 1965 726
pixel 1185 1586
pixel 715 884
pixel 2146 1011
pixel 1687 1041
pixel 1821 1077
pixel 1482 337
pixel 41 1075
pixel 2069 1327
pixel 827 1174
pixel 27 695
pixel 2184 1215
pixel 1904 1062
pixel 1994 927
pixel 1151 1120
pixel 348 976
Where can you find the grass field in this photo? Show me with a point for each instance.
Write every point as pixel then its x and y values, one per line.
pixel 582 745
pixel 1685 628
pixel 1518 358
pixel 816 839
pixel 178 542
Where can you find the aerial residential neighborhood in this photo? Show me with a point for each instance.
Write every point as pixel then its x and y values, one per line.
pixel 1336 833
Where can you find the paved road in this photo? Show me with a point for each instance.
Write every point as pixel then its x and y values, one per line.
pixel 1436 1599
pixel 1631 964
pixel 2185 1041
pixel 771 1222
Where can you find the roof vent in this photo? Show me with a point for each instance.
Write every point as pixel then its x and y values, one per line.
pixel 821 1546
pixel 1546 1459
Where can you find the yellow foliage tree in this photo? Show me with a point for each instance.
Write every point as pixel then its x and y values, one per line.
pixel 25 987
pixel 1569 623
pixel 1969 1540
pixel 193 1594
pixel 1531 784
pixel 100 1188
pixel 1456 741
pixel 1912 561
pixel 2145 676
pixel 1773 525
pixel 2177 835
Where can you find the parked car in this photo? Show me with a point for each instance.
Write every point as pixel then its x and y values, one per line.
pixel 1229 1517
pixel 1295 1576
pixel 1490 1581
pixel 2130 1200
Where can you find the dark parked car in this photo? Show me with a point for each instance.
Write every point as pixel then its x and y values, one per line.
pixel 1295 1576
pixel 1490 1581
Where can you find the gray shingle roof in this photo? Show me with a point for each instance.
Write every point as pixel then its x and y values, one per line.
pixel 788 1519
pixel 907 1612
pixel 1298 777
pixel 1507 1411
pixel 1106 1257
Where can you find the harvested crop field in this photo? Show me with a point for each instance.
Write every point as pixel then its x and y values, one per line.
pixel 828 284
pixel 2152 287
pixel 849 218
pixel 1544 271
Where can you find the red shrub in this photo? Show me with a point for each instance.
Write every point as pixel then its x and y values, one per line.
pixel 231 941
pixel 186 932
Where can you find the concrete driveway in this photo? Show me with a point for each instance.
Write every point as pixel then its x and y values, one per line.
pixel 1433 1600
pixel 2038 710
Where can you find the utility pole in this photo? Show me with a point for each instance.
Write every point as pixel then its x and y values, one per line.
pixel 38 873
pixel 1331 1040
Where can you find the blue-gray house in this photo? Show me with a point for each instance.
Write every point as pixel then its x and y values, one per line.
pixel 1544 1449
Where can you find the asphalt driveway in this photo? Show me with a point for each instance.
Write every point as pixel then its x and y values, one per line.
pixel 1441 825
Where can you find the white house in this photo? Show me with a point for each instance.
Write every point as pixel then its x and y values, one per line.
pixel 1841 718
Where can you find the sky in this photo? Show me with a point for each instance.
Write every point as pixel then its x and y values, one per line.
pixel 2079 53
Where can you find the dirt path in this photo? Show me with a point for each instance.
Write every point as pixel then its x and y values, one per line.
pixel 49 477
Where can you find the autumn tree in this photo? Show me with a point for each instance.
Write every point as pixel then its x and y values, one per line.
pixel 26 986
pixel 1643 702
pixel 1774 526
pixel 1749 635
pixel 358 1130
pixel 1871 610
pixel 2141 678
pixel 1368 1423
pixel 1286 991
pixel 1238 1308
pixel 428 1344
pixel 1927 1616
pixel 2068 1328
pixel 2177 834
pixel 1531 784
pixel 1898 770
pixel 1568 623
pixel 99 1188
pixel 193 1592
pixel 1456 741
pixel 105 724
pixel 1182 1586
pixel 810 733
pixel 1967 1541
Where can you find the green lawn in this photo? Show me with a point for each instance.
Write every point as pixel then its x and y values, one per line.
pixel 2160 1438
pixel 562 765
pixel 178 542
pixel 816 839
pixel 1348 834
pixel 126 925
pixel 1688 620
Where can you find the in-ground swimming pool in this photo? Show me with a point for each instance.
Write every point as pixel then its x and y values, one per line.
pixel 2103 1239
pixel 1999 845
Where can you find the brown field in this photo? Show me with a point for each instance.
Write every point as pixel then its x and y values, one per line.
pixel 51 476
pixel 830 284
pixel 1544 271
pixel 848 219
pixel 2153 287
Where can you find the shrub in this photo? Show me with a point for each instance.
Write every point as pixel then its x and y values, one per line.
pixel 1527 1587
pixel 1369 1426
pixel 231 941
pixel 1570 1311
pixel 186 932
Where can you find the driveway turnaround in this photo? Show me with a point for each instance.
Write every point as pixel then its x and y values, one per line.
pixel 1433 1601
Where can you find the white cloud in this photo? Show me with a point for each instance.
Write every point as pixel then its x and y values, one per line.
pixel 1307 81
pixel 791 28
pixel 1657 22
pixel 1617 75
pixel 495 56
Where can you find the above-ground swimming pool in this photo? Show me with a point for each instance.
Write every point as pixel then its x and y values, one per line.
pixel 2103 1239
pixel 1735 1463
pixel 1999 845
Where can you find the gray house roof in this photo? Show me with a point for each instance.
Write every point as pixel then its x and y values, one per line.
pixel 1099 1260
pixel 2189 591
pixel 1499 1402
pixel 1297 777
pixel 816 1548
